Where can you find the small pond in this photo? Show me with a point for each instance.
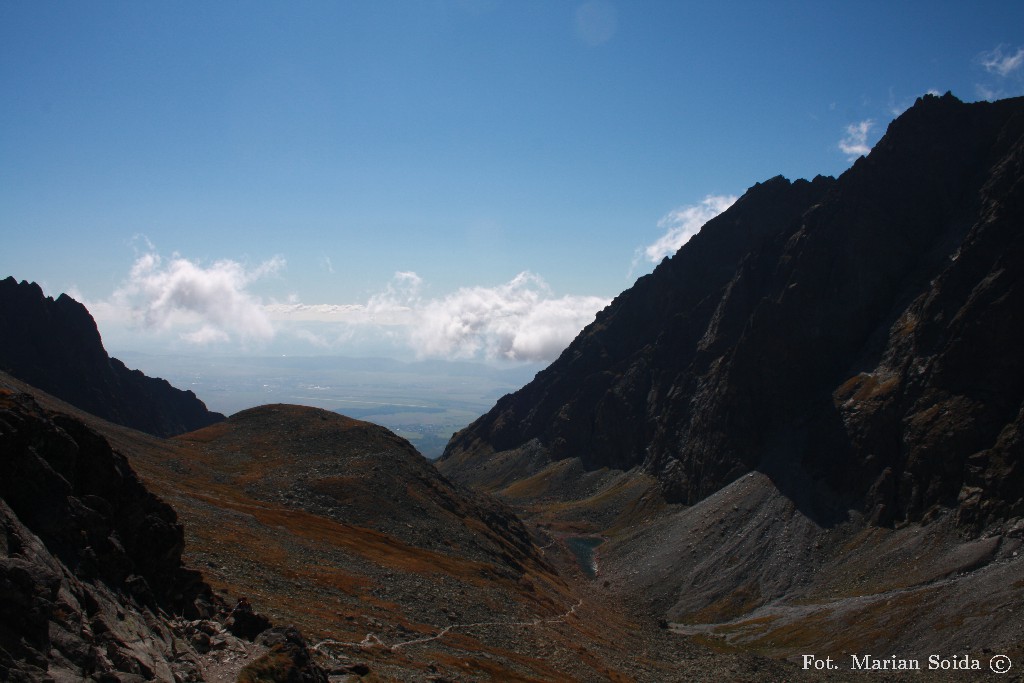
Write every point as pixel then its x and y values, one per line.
pixel 585 550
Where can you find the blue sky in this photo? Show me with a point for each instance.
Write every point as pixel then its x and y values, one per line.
pixel 442 178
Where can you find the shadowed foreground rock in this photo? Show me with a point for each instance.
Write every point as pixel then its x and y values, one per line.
pixel 91 581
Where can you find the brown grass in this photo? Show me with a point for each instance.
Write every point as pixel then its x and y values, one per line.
pixel 865 386
pixel 737 603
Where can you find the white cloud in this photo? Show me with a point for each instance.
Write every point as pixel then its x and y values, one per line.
pixel 1002 64
pixel 207 334
pixel 1007 71
pixel 211 304
pixel 679 225
pixel 854 144
pixel 987 93
pixel 200 304
pixel 296 311
pixel 517 320
pixel 400 297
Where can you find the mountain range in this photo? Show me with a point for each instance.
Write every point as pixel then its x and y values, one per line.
pixel 799 434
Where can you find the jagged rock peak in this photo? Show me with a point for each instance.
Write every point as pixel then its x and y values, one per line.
pixel 55 345
pixel 860 329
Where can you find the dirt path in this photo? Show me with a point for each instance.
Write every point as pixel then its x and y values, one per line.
pixel 372 640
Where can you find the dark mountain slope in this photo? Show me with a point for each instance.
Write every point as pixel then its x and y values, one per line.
pixel 90 561
pixel 53 344
pixel 861 329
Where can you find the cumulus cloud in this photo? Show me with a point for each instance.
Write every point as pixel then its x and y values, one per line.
pixel 207 334
pixel 855 143
pixel 680 224
pixel 518 320
pixel 398 301
pixel 206 304
pixel 211 303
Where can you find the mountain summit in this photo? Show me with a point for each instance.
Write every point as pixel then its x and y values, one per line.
pixel 54 345
pixel 803 432
pixel 862 330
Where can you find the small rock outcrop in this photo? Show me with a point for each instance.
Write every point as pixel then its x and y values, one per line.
pixel 54 345
pixel 863 329
pixel 288 659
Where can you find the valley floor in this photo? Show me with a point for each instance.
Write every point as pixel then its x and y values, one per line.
pixel 769 578
pixel 394 574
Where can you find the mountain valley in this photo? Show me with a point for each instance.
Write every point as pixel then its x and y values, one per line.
pixel 339 528
pixel 803 431
pixel 800 435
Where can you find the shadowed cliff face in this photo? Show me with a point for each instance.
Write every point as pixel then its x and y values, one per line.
pixel 54 345
pixel 90 562
pixel 861 329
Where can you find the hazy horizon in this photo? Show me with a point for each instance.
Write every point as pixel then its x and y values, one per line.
pixel 422 401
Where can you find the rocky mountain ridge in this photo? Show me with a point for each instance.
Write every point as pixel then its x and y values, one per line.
pixel 54 345
pixel 861 329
